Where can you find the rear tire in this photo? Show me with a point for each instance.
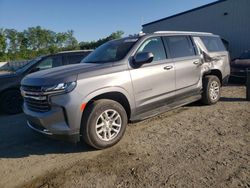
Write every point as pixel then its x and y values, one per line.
pixel 211 90
pixel 104 123
pixel 11 102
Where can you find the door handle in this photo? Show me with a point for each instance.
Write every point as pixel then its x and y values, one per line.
pixel 197 62
pixel 168 67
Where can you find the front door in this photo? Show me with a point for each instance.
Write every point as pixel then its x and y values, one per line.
pixel 153 83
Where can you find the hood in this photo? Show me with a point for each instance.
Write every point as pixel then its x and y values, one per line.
pixel 62 74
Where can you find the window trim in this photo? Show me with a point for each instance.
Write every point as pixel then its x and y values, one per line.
pixel 196 51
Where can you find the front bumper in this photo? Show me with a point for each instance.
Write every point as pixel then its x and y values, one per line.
pixel 61 121
pixel 74 138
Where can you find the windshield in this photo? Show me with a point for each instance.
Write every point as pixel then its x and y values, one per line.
pixel 29 64
pixel 111 51
pixel 16 67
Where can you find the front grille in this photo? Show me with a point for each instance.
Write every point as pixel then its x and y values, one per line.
pixel 35 99
pixel 32 88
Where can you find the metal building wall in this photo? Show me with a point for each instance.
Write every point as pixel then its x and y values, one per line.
pixel 230 19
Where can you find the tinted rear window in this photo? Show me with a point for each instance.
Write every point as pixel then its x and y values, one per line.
pixel 76 58
pixel 179 46
pixel 213 44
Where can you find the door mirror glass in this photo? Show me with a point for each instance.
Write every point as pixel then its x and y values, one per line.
pixel 143 57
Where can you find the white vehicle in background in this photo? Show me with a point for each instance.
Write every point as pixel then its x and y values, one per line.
pixel 2 63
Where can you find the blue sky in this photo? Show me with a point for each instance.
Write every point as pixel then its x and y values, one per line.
pixel 90 19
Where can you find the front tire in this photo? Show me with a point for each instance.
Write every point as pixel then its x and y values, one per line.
pixel 104 123
pixel 211 90
pixel 11 102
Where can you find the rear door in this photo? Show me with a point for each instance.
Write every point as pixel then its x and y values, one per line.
pixel 153 83
pixel 186 60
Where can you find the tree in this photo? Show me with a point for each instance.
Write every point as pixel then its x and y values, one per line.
pixel 12 37
pixel 61 38
pixel 3 43
pixel 22 41
pixel 71 41
pixel 115 35
pixel 95 44
pixel 36 41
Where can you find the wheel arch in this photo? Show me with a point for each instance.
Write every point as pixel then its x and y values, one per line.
pixel 119 95
pixel 215 72
pixel 8 89
pixel 15 106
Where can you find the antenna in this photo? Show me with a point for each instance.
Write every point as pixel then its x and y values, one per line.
pixel 142 20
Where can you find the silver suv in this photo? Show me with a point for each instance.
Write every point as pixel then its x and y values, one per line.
pixel 123 81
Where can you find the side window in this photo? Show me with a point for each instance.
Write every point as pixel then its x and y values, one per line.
pixel 179 46
pixel 213 44
pixel 73 59
pixel 50 62
pixel 155 46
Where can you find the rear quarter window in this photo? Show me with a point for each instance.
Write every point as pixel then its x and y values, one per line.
pixel 213 44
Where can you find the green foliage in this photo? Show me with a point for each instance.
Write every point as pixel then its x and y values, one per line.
pixel 95 44
pixel 33 42
pixel 3 44
pixel 36 41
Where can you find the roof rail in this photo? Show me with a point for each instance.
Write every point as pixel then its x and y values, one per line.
pixel 183 32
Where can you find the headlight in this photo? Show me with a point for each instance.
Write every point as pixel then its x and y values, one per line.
pixel 59 88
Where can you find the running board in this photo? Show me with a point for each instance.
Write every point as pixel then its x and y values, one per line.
pixel 165 108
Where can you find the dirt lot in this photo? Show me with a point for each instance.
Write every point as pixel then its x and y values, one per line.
pixel 192 146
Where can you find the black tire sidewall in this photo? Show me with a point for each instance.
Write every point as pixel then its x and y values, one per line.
pixel 97 108
pixel 207 84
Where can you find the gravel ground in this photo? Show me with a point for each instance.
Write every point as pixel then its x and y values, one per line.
pixel 192 146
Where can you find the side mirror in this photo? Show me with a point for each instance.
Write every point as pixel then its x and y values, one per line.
pixel 143 57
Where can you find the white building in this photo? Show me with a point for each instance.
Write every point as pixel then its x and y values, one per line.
pixel 228 18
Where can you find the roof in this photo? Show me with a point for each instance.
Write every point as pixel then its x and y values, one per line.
pixel 198 8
